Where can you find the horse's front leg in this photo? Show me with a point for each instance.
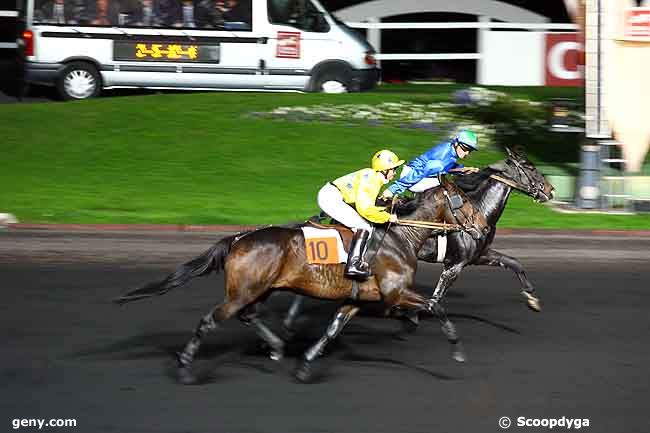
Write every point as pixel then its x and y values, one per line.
pixel 304 371
pixel 413 302
pixel 495 258
pixel 447 277
pixel 250 316
pixel 449 329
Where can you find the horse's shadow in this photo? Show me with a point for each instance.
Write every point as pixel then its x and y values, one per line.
pixel 236 349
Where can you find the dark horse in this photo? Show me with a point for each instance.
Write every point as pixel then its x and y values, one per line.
pixel 259 262
pixel 488 190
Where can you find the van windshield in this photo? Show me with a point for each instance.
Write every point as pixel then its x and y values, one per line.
pixel 187 14
pixel 301 14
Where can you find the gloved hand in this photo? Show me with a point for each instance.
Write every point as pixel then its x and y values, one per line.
pixel 387 194
pixel 469 170
pixel 393 218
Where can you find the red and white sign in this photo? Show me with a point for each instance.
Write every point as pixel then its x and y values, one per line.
pixel 563 60
pixel 288 45
pixel 637 23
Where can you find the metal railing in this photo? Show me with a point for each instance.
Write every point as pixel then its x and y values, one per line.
pixel 613 189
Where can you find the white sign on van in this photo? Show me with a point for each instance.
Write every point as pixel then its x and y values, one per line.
pixel 288 45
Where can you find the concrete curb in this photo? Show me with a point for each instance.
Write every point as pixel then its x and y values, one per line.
pixel 133 227
pixel 237 228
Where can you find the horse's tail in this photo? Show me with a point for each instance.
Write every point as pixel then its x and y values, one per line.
pixel 211 260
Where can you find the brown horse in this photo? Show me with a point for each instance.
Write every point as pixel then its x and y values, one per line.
pixel 259 262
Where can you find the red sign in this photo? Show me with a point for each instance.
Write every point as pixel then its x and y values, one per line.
pixel 563 54
pixel 637 23
pixel 288 45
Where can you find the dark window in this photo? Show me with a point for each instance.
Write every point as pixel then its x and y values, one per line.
pixel 187 14
pixel 301 14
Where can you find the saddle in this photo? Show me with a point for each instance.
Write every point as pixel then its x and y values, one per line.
pixel 345 232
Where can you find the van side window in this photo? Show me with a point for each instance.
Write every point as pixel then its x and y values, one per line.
pixel 189 14
pixel 301 14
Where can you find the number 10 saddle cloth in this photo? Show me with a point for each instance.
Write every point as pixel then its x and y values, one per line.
pixel 328 245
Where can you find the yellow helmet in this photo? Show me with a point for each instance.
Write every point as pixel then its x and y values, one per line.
pixel 385 160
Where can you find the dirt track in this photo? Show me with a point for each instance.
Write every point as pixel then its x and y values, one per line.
pixel 68 353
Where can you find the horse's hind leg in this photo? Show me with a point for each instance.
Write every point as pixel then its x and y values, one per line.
pixel 304 371
pixel 495 258
pixel 250 317
pixel 208 323
pixel 292 314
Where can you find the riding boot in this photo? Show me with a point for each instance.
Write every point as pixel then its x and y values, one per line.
pixel 357 268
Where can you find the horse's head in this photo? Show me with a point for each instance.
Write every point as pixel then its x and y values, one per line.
pixel 455 208
pixel 523 173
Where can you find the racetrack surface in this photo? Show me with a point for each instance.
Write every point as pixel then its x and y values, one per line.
pixel 69 353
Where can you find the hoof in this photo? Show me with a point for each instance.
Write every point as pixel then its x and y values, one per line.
pixel 532 302
pixel 184 376
pixel 458 353
pixel 304 372
pixel 277 354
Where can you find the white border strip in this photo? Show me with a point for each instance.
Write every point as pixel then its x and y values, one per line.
pixel 9 45
pixel 8 14
pixel 442 248
pixel 451 56
pixel 470 25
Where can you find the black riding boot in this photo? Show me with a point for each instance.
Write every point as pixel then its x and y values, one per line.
pixel 357 268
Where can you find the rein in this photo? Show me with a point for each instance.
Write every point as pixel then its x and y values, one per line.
pixel 428 225
pixel 510 183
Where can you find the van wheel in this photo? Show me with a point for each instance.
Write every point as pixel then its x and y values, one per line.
pixel 332 83
pixel 79 80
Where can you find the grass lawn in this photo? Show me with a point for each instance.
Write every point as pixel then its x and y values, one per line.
pixel 201 158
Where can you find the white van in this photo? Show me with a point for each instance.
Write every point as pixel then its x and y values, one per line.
pixel 82 46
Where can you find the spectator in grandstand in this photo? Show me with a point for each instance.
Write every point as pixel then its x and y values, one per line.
pixel 105 13
pixel 59 12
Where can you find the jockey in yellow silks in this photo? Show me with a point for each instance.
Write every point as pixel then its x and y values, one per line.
pixel 350 199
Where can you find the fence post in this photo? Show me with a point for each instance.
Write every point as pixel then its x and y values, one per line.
pixel 481 43
pixel 374 37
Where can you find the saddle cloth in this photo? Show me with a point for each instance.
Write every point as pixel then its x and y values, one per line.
pixel 327 244
pixel 324 245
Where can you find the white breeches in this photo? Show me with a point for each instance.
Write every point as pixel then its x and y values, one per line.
pixel 330 200
pixel 424 184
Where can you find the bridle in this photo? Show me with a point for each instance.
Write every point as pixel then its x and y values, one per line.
pixel 531 188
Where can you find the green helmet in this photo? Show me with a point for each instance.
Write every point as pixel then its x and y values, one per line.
pixel 467 138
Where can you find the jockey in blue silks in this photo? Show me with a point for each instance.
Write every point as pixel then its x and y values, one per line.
pixel 421 173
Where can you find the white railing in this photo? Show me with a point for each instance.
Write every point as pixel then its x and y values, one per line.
pixel 8 14
pixel 459 25
pixel 374 36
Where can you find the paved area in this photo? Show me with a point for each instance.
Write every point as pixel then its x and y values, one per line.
pixel 68 353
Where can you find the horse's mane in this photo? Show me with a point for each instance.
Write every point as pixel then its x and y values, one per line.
pixel 408 206
pixel 470 182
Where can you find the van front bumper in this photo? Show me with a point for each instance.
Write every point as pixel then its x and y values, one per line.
pixel 365 79
pixel 42 73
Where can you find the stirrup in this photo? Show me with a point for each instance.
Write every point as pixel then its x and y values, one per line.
pixel 357 270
